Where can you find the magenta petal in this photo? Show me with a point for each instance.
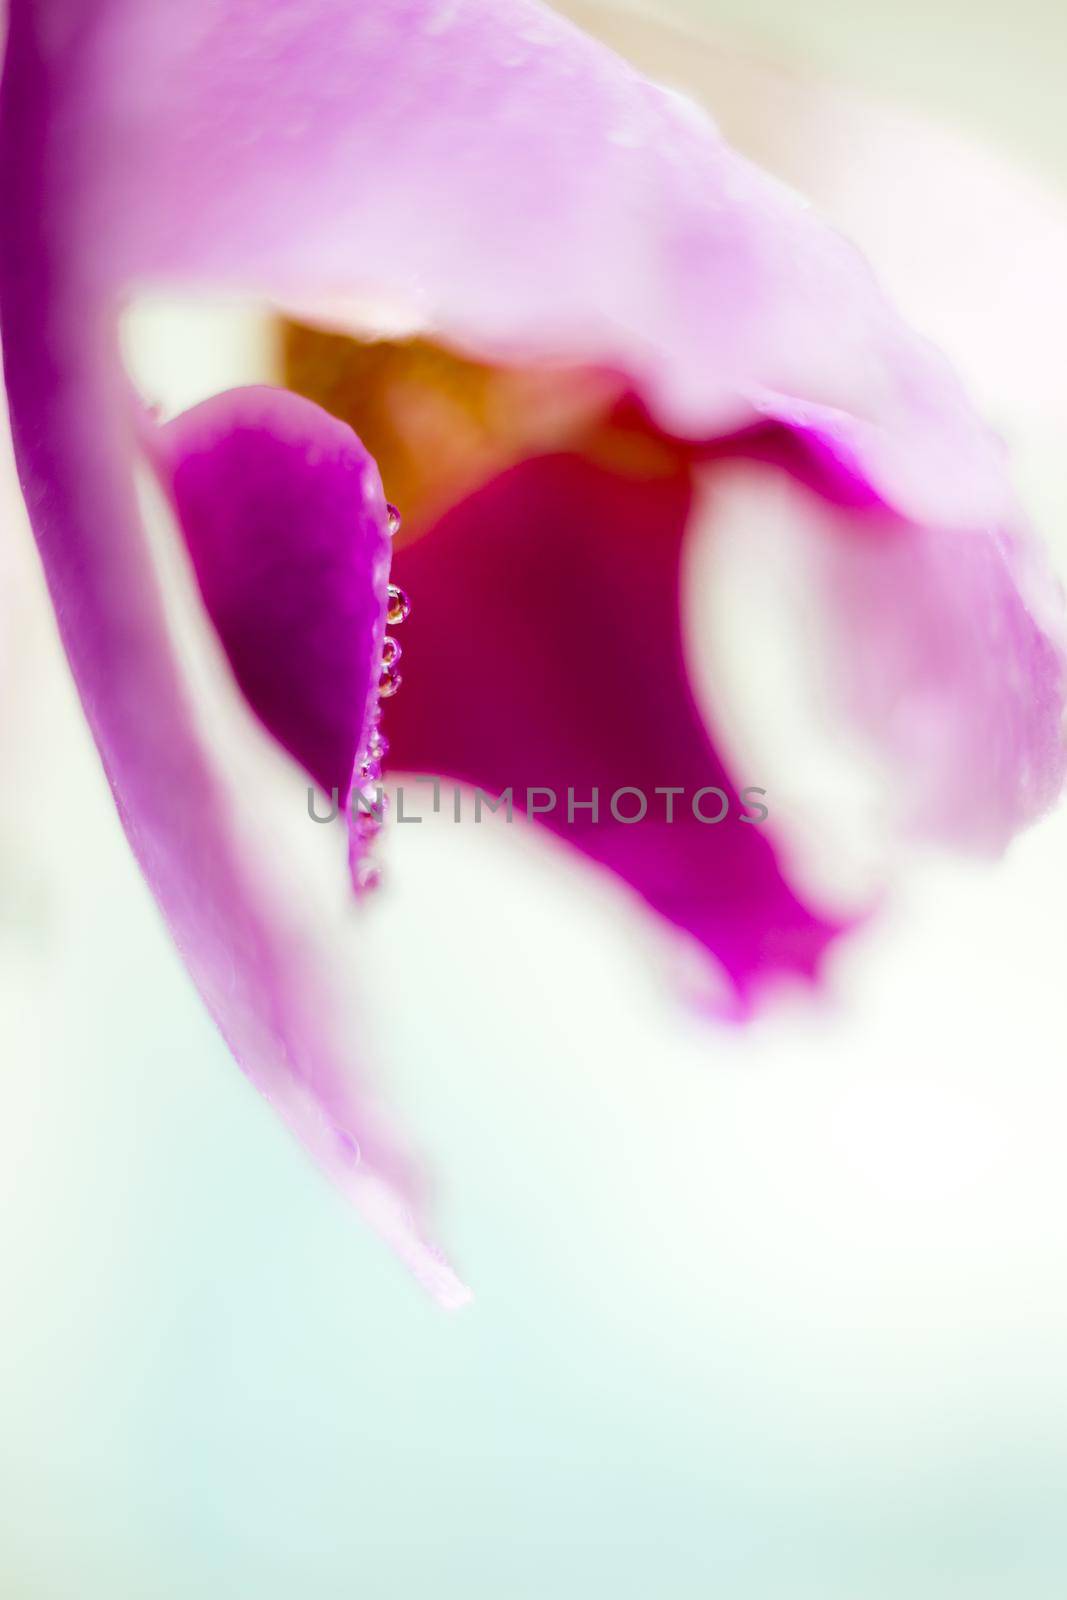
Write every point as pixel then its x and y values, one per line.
pixel 547 652
pixel 285 521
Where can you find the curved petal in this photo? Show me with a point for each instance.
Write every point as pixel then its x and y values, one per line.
pixel 253 953
pixel 509 182
pixel 286 524
pixel 548 655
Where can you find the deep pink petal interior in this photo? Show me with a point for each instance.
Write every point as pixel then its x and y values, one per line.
pixel 547 651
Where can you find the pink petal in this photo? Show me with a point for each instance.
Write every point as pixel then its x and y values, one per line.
pixel 506 180
pixel 547 653
pixel 285 521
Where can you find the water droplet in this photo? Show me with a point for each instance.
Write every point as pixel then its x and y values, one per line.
pixel 392 520
pixel 369 803
pixel 348 1145
pixel 388 683
pixel 391 651
pixel 399 608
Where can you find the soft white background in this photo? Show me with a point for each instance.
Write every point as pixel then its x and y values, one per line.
pixel 777 1314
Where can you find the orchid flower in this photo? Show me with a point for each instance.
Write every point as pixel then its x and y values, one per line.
pixel 579 247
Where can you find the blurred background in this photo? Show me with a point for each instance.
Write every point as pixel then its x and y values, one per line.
pixel 772 1314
